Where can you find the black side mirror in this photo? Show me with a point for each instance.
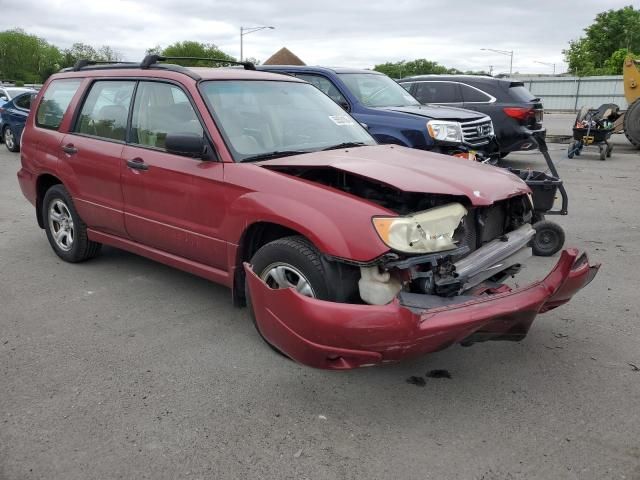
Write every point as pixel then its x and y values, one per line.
pixel 345 105
pixel 185 144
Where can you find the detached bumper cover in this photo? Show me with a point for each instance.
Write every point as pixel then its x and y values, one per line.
pixel 331 335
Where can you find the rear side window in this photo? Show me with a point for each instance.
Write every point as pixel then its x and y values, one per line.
pixel 106 109
pixel 55 102
pixel 24 101
pixel 438 92
pixel 470 94
pixel 161 109
pixel 519 93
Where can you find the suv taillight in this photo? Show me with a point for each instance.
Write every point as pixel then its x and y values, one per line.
pixel 520 113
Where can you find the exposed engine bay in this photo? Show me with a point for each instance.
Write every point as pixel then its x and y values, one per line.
pixel 488 245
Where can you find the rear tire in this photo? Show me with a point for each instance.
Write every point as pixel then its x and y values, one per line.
pixel 549 238
pixel 10 140
pixel 66 232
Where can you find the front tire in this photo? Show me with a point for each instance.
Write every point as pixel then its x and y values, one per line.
pixel 10 140
pixel 293 262
pixel 66 232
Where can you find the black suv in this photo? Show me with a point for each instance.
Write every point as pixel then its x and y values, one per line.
pixel 515 112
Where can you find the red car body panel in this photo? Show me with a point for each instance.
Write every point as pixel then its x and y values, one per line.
pixel 339 336
pixel 195 215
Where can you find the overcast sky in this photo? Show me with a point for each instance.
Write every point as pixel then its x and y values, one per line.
pixel 326 32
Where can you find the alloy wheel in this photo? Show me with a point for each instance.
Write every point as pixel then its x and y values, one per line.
pixel 61 225
pixel 282 275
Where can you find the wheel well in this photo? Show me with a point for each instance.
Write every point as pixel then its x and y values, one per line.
pixel 254 237
pixel 44 183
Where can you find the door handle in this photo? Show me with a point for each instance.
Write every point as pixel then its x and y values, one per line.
pixel 137 164
pixel 69 149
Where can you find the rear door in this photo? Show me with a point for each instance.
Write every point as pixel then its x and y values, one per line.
pixel 173 203
pixel 93 151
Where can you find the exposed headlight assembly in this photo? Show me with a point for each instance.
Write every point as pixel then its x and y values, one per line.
pixel 422 232
pixel 445 131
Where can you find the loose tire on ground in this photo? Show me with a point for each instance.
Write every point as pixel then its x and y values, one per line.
pixel 549 238
pixel 66 232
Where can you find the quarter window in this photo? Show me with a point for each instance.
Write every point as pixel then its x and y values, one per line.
pixel 471 94
pixel 55 102
pixel 161 109
pixel 105 110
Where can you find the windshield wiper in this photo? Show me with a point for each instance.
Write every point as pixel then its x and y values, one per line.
pixel 345 145
pixel 270 155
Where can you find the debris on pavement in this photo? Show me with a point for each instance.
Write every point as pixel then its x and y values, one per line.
pixel 634 368
pixel 439 374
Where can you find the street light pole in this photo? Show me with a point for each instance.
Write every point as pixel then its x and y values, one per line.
pixel 246 31
pixel 503 52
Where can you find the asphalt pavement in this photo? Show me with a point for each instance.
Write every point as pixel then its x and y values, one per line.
pixel 124 368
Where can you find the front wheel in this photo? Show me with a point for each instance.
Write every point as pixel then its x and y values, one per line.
pixel 66 232
pixel 10 140
pixel 293 262
pixel 603 152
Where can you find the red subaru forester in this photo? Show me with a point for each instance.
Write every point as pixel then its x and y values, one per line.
pixel 348 253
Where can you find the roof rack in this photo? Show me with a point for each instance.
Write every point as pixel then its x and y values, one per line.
pixel 83 62
pixel 154 59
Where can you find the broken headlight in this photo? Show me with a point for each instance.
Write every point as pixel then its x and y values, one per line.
pixel 423 232
pixel 445 131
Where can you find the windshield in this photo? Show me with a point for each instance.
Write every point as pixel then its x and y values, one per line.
pixel 375 90
pixel 271 118
pixel 14 92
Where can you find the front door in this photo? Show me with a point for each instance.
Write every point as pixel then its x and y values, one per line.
pixel 172 202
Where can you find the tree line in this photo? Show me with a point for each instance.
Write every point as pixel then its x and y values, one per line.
pixel 26 58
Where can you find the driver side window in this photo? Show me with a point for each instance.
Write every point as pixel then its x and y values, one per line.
pixel 326 87
pixel 105 110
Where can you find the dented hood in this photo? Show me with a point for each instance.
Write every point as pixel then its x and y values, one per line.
pixel 413 170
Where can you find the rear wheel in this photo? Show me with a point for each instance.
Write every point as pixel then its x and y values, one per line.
pixel 631 123
pixel 66 231
pixel 10 140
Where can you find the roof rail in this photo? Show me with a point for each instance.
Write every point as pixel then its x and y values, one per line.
pixel 154 59
pixel 83 62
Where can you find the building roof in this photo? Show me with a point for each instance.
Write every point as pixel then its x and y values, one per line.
pixel 284 56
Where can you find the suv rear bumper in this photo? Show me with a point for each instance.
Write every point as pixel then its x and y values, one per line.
pixel 338 336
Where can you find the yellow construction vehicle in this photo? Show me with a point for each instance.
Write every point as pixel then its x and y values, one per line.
pixel 630 121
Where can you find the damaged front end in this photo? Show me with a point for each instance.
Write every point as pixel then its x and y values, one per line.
pixel 440 283
pixel 332 335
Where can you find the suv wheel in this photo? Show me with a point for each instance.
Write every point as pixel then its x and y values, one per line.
pixel 10 140
pixel 290 262
pixel 66 231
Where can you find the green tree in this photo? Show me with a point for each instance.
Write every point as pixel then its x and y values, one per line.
pixel 599 51
pixel 419 66
pixel 83 51
pixel 26 58
pixel 190 48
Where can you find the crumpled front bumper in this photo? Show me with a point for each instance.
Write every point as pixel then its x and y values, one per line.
pixel 332 335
